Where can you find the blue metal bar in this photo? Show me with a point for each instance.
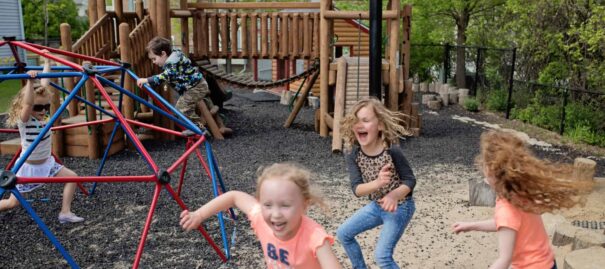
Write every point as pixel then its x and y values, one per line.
pixel 141 100
pixel 6 68
pixel 42 75
pixel 45 229
pixel 56 68
pixel 105 155
pixel 221 221
pixel 49 124
pixel 218 173
pixel 83 100
pixel 189 125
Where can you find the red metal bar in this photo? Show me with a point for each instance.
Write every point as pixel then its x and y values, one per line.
pixel 14 159
pixel 156 128
pixel 183 169
pixel 2 43
pixel 75 55
pixel 203 163
pixel 9 130
pixel 82 179
pixel 154 202
pixel 35 49
pixel 185 155
pixel 200 228
pixel 126 127
pixel 84 190
pixel 62 127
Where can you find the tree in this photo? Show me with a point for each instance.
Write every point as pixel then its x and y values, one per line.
pixel 59 11
pixel 461 12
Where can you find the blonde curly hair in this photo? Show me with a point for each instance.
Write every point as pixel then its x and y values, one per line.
pixel 392 121
pixel 529 183
pixel 294 173
pixel 14 112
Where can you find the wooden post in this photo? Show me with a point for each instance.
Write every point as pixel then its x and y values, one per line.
pixel 584 169
pixel 324 62
pixel 101 9
pixel 153 14
pixel 55 102
pixel 253 36
pixel 125 51
pixel 393 64
pixel 162 20
pixel 69 82
pixel 306 37
pixel 93 137
pixel 224 38
pixel 407 27
pixel 273 36
pixel 295 37
pixel 283 33
pixel 210 123
pixel 214 34
pixel 119 9
pixel 203 35
pixel 244 24
pixel 185 29
pixel 263 36
pixel 339 104
pixel 139 8
pixel 315 36
pixel 92 12
pixel 233 35
pixel 301 99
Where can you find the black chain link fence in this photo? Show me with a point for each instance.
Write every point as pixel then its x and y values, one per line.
pixel 578 113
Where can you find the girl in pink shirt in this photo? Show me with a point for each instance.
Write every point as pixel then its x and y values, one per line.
pixel 525 187
pixel 277 215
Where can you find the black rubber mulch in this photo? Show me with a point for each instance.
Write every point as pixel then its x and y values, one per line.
pixel 115 215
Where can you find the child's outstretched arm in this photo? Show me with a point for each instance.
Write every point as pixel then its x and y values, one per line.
pixel 45 82
pixel 506 245
pixel 488 225
pixel 28 97
pixel 326 257
pixel 241 200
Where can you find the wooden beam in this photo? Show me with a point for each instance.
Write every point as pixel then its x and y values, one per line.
pixel 332 14
pixel 339 104
pixel 255 5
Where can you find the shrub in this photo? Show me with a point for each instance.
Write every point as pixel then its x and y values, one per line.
pixel 496 100
pixel 471 104
pixel 583 133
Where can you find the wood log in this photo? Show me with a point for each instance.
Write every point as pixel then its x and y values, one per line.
pixel 339 104
pixel 481 194
pixel 584 169
pixel 210 123
pixel 434 104
pixel 589 258
pixel 329 121
pixel 424 87
pixel 585 238
pixel 445 98
pixel 324 62
pixel 453 97
pixel 564 234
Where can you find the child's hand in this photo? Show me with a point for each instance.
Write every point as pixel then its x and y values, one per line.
pixel 459 227
pixel 32 73
pixel 141 81
pixel 190 220
pixel 388 203
pixel 384 176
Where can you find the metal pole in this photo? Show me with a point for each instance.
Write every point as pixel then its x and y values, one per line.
pixel 376 48
pixel 477 70
pixel 510 84
pixel 562 123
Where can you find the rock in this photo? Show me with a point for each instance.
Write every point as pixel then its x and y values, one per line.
pixel 590 258
pixel 481 194
pixel 564 234
pixel 434 104
pixel 585 238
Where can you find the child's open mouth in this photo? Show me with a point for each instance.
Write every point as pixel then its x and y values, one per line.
pixel 278 226
pixel 362 135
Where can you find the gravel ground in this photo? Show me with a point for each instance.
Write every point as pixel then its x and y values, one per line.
pixel 442 159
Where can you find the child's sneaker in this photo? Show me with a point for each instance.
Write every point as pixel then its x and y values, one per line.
pixel 71 217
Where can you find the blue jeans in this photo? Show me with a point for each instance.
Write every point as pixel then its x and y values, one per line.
pixel 368 217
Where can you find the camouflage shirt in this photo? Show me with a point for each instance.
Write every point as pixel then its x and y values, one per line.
pixel 178 71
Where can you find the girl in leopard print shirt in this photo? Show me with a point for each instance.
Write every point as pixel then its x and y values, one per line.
pixel 377 169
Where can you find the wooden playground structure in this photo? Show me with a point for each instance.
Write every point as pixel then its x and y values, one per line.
pixel 249 31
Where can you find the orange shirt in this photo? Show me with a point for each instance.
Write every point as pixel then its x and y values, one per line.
pixel 298 252
pixel 532 248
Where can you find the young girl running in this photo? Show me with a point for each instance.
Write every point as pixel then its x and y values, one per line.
pixel 378 169
pixel 525 187
pixel 288 237
pixel 28 112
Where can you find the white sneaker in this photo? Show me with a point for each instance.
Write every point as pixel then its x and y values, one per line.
pixel 71 218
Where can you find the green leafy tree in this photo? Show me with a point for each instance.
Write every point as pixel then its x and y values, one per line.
pixel 59 11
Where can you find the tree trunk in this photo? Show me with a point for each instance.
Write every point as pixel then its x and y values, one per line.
pixel 461 24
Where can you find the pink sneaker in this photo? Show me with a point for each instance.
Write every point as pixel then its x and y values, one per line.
pixel 71 217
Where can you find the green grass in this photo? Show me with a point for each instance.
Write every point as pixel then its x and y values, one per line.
pixel 8 89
